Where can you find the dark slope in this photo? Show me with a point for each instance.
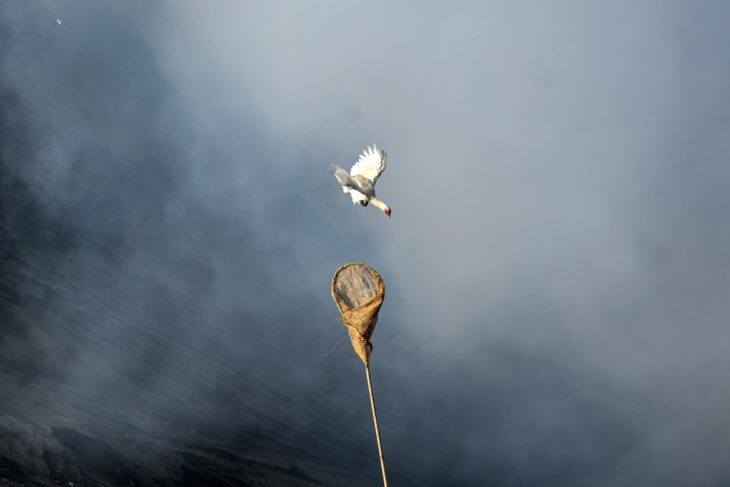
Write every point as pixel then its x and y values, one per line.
pixel 124 360
pixel 125 427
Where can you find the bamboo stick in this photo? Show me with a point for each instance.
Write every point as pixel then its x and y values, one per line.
pixel 377 429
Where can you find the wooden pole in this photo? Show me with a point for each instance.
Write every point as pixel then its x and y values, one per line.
pixel 377 429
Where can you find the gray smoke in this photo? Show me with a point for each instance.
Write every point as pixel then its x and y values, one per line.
pixel 557 262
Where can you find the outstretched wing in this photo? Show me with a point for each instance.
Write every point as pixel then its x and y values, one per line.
pixel 371 164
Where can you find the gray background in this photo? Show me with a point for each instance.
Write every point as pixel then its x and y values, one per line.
pixel 556 265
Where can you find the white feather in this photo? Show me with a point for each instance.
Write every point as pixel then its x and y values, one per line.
pixel 371 164
pixel 360 182
pixel 357 197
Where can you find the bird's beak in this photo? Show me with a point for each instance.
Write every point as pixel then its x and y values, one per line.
pixel 387 213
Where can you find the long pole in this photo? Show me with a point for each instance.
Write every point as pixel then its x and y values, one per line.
pixel 375 422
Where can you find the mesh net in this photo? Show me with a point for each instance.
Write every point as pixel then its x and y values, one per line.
pixel 358 291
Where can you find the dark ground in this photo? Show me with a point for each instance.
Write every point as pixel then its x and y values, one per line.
pixel 112 373
pixel 105 375
pixel 55 432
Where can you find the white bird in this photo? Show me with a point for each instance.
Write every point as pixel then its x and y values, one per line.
pixel 360 182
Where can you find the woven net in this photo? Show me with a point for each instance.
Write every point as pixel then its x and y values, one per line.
pixel 358 291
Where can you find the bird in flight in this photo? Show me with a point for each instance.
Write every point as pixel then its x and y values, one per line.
pixel 360 182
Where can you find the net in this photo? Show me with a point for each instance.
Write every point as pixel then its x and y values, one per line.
pixel 358 291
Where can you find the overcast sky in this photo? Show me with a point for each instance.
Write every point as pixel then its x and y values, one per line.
pixel 558 260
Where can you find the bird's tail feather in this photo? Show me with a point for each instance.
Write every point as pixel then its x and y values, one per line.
pixel 342 176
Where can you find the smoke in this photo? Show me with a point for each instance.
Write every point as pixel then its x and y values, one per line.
pixel 556 265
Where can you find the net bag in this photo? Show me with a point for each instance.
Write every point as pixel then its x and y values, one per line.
pixel 358 291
